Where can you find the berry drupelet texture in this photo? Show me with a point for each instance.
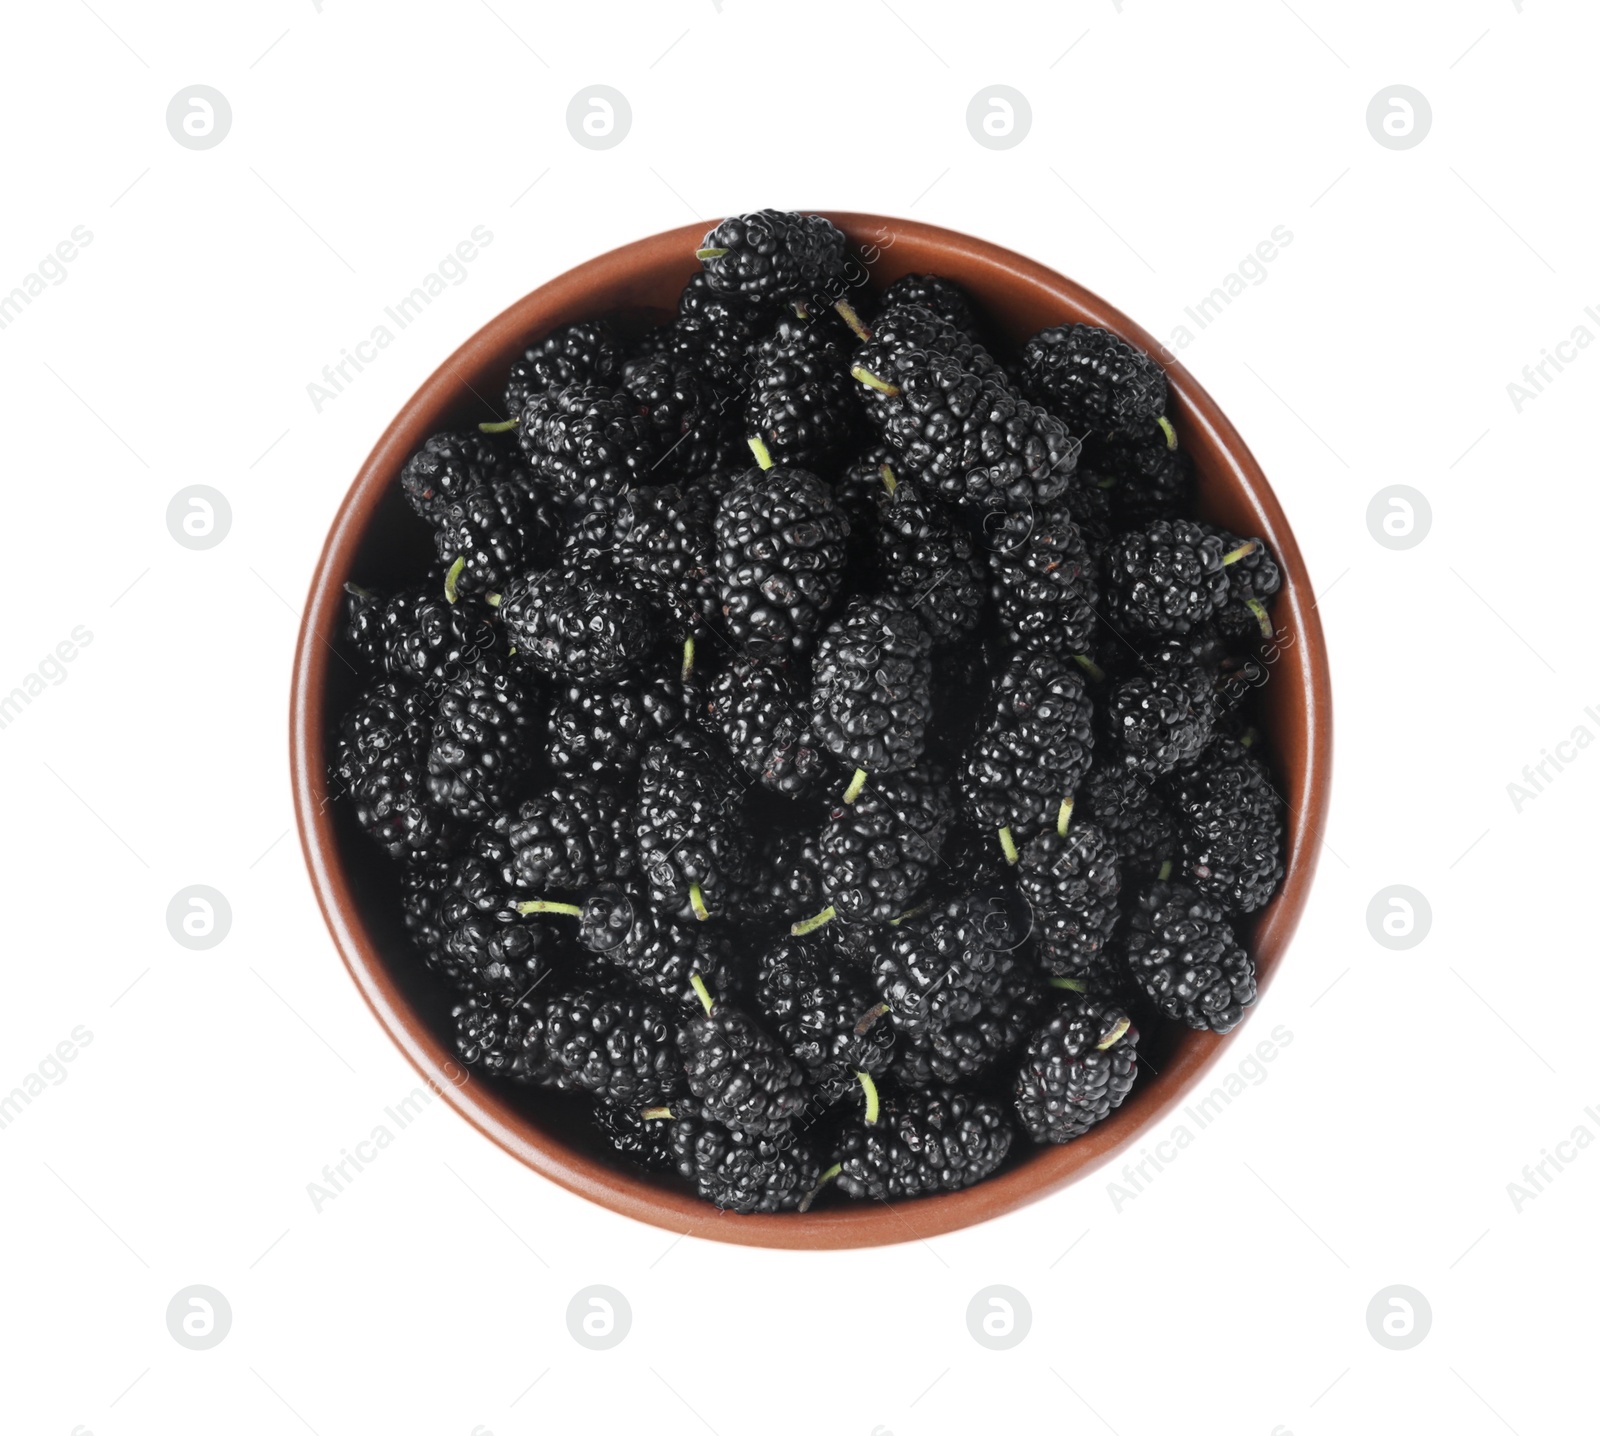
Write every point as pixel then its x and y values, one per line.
pixel 449 466
pixel 1033 750
pixel 619 1046
pixel 488 536
pixel 762 714
pixel 589 442
pixel 1125 804
pixel 693 417
pixel 1093 379
pixel 1044 582
pixel 801 401
pixel 872 677
pixel 482 743
pixel 603 732
pixel 618 924
pixel 824 1012
pixel 738 1172
pixel 418 633
pixel 878 852
pixel 585 352
pixel 570 838
pixel 966 434
pixel 380 764
pixel 692 842
pixel 1165 578
pixel 924 1142
pixel 1184 955
pixel 1145 475
pixel 930 562
pixel 780 551
pixel 1072 882
pixel 662 538
pixel 772 254
pixel 943 297
pixel 578 622
pixel 740 1072
pixel 1230 822
pixel 1076 1069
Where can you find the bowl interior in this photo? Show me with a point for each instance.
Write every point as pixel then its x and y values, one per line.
pixel 377 542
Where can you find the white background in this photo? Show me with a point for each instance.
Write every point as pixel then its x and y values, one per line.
pixel 1167 140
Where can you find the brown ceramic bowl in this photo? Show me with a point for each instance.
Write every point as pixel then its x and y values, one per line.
pixel 374 539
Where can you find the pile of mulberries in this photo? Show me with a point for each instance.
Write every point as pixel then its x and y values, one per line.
pixel 820 747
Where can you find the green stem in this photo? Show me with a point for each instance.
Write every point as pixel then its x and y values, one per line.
pixel 688 657
pixel 872 381
pixel 655 1114
pixel 711 253
pixel 1089 666
pixel 811 924
pixel 1244 550
pixel 1169 431
pixel 887 475
pixel 867 1018
pixel 1008 846
pixel 1063 817
pixel 500 426
pixel 569 909
pixel 1114 1036
pixel 1071 984
pixel 822 1181
pixel 1263 619
pixel 697 900
pixel 492 599
pixel 452 577
pixel 762 453
pixel 857 783
pixel 871 1089
pixel 844 310
pixel 908 914
pixel 1166 871
pixel 699 984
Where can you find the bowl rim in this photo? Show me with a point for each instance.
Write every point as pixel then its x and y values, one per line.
pixel 851 1225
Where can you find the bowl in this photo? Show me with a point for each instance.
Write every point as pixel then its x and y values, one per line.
pixel 374 538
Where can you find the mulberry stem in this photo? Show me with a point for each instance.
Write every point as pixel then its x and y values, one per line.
pixel 1008 846
pixel 857 783
pixel 688 657
pixel 1166 871
pixel 1089 666
pixel 867 1018
pixel 844 310
pixel 699 984
pixel 811 924
pixel 1071 984
pixel 697 900
pixel 1114 1036
pixel 871 1089
pixel 1244 550
pixel 1168 430
pixel 762 453
pixel 570 909
pixel 492 599
pixel 711 253
pixel 655 1114
pixel 822 1181
pixel 452 577
pixel 1063 817
pixel 887 475
pixel 500 426
pixel 872 381
pixel 908 914
pixel 1258 608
